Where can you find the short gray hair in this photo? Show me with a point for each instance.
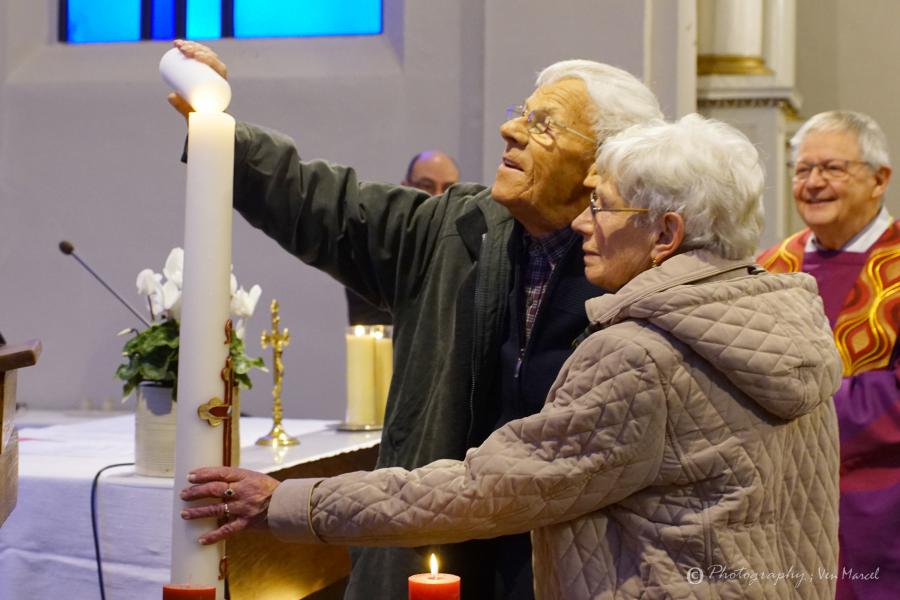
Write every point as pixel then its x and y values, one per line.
pixel 873 144
pixel 705 170
pixel 620 99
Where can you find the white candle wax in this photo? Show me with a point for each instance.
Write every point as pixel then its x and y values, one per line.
pixel 195 81
pixel 202 352
pixel 360 376
pixel 384 368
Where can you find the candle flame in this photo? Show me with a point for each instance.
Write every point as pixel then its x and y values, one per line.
pixel 359 331
pixel 208 100
pixel 434 566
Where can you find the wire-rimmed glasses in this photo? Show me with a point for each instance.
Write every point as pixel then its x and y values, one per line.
pixel 539 122
pixel 833 169
pixel 596 208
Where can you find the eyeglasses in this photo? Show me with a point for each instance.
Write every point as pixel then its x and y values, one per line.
pixel 833 170
pixel 596 208
pixel 431 186
pixel 539 122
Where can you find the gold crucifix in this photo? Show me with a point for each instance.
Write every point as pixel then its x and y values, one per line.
pixel 278 341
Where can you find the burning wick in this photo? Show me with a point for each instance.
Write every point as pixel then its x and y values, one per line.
pixel 434 567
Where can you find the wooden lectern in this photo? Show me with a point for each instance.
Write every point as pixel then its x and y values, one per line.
pixel 12 357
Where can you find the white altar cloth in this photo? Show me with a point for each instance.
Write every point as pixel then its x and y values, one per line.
pixel 46 546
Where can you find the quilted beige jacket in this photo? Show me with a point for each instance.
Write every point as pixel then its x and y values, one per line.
pixel 688 449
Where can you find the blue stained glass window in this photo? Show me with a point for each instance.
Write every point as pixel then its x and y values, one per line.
pixel 277 18
pixel 103 21
pixel 204 19
pixel 163 19
pixel 87 21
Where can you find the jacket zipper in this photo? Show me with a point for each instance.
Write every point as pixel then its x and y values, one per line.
pixel 519 361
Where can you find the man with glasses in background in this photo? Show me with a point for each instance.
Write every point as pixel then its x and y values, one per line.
pixel 486 285
pixel 841 171
pixel 432 171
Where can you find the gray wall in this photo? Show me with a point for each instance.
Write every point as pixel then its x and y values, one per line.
pixel 89 152
pixel 847 58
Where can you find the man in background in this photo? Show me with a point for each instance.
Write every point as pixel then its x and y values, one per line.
pixel 432 171
pixel 852 248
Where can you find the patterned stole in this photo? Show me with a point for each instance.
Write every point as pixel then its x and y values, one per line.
pixel 866 329
pixel 787 257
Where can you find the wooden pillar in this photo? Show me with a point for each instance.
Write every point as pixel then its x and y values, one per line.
pixel 12 357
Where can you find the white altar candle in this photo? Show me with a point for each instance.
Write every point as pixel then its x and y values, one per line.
pixel 205 301
pixel 202 351
pixel 360 376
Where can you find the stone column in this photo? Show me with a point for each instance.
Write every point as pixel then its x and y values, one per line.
pixel 745 68
pixel 730 38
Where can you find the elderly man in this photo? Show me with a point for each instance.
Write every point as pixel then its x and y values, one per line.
pixel 852 248
pixel 486 285
pixel 432 171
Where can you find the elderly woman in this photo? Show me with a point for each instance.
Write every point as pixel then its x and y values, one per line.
pixel 688 448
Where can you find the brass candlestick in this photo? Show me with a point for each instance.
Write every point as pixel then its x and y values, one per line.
pixel 279 341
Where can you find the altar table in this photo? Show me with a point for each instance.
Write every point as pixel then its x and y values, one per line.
pixel 46 546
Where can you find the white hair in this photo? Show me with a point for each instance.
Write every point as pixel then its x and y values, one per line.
pixel 705 170
pixel 873 144
pixel 620 99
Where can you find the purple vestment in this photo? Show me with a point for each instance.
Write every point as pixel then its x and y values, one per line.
pixel 868 410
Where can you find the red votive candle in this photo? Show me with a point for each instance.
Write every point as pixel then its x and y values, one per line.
pixel 188 591
pixel 434 585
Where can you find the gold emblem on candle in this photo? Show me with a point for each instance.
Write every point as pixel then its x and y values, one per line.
pixel 217 410
pixel 214 412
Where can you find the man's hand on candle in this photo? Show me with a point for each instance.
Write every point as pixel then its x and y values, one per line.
pixel 247 506
pixel 203 54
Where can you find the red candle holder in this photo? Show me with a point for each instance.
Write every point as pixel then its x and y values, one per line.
pixel 188 591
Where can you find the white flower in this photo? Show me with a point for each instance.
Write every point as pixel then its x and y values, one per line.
pixel 150 285
pixel 243 303
pixel 148 282
pixel 165 298
pixel 174 268
pixel 171 300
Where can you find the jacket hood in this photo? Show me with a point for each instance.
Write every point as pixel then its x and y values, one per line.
pixel 766 333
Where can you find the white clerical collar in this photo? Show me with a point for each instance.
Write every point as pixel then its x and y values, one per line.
pixel 862 241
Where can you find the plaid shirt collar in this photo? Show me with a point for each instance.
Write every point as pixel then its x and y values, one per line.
pixel 542 257
pixel 549 249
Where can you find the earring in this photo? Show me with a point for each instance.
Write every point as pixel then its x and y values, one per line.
pixel 653 262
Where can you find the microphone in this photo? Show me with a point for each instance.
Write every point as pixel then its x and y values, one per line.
pixel 66 247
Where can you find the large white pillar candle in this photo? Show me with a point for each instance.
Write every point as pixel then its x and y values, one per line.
pixel 384 368
pixel 202 352
pixel 360 376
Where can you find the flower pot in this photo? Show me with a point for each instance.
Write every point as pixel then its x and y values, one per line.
pixel 154 431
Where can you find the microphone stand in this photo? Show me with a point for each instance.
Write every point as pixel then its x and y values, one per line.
pixel 67 248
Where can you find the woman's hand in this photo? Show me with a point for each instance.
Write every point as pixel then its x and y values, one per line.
pixel 203 54
pixel 244 496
